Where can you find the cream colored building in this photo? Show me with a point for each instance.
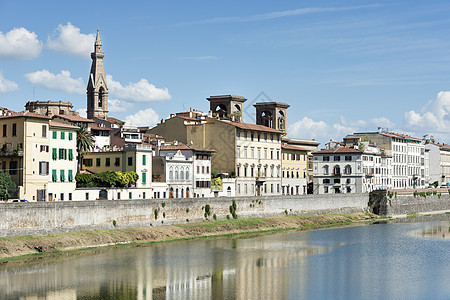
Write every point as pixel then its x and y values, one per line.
pixel 63 162
pixel 24 144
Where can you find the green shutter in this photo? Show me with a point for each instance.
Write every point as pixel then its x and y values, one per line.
pixel 70 154
pixel 62 135
pixel 62 176
pixel 54 135
pixel 54 153
pixel 70 175
pixel 144 177
pixel 54 177
pixel 144 160
pixel 61 155
pixel 70 136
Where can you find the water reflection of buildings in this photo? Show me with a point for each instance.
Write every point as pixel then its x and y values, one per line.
pixel 441 231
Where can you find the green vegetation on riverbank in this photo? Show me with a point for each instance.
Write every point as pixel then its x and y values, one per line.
pixel 17 246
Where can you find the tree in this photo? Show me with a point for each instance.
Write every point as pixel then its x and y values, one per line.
pixel 7 186
pixel 85 142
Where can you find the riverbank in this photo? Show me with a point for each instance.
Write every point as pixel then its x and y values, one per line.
pixel 16 246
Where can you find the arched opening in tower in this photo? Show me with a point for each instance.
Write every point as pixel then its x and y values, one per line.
pixel 266 118
pixel 221 111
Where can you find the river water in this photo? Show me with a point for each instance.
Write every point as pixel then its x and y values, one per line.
pixel 404 259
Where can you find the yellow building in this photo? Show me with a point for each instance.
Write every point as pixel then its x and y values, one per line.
pixel 136 158
pixel 294 165
pixel 24 153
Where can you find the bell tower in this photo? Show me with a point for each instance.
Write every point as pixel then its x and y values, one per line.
pixel 97 90
pixel 228 107
pixel 272 114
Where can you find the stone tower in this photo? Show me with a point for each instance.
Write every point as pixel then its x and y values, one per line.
pixel 228 107
pixel 97 90
pixel 272 114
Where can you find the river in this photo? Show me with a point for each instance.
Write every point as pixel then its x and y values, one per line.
pixel 400 259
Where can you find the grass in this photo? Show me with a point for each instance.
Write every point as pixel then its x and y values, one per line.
pixel 412 215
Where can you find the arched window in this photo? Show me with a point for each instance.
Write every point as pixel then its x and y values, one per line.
pixel 187 174
pixel 348 170
pixel 325 169
pixel 171 173
pixel 336 170
pixel 176 175
pixel 100 98
pixel 182 174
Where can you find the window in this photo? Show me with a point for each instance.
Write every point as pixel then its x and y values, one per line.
pixel 265 153
pixel 326 158
pixel 4 129
pixel 144 177
pixel 252 152
pixel 238 134
pixel 63 134
pixel 265 136
pixel 54 154
pixel 14 129
pixel 130 195
pixel 70 154
pixel 337 180
pixel 348 158
pixel 107 161
pixel 348 170
pixel 336 171
pixel 326 180
pixel 245 152
pixel 325 169
pixel 325 190
pixel 143 195
pixel 337 158
pixel 54 176
pixel 245 135
pixel 13 167
pixel 187 174
pixel 271 153
pixel 62 176
pixel 70 175
pixel 70 196
pixel 176 174
pixel 259 137
pixel 182 174
pixel 43 167
pixel 87 162
pixel 144 159
pixel 171 173
pixel 61 197
pixel 252 136
pixel 278 154
pixel 238 151
pixel 70 136
pixel 97 162
pixel 62 153
pixel 117 161
pixel 203 169
pixel 271 137
pixel 130 161
pixel 87 196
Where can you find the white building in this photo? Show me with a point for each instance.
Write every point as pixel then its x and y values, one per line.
pixel 62 161
pixel 408 157
pixel 439 162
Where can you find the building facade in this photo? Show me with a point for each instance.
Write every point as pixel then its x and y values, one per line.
pixel 294 166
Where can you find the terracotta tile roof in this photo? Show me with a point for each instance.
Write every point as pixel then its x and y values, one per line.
pixel 405 136
pixel 62 125
pixel 339 150
pixel 251 126
pixel 74 118
pixel 96 127
pixel 114 120
pixel 291 147
pixel 25 114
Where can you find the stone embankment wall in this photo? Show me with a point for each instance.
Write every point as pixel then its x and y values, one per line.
pixel 392 203
pixel 46 217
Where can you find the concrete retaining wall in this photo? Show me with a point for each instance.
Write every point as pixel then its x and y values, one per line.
pixel 46 217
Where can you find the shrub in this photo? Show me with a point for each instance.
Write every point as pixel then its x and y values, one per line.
pixel 187 209
pixel 228 217
pixel 286 212
pixel 163 204
pixel 214 217
pixel 156 214
pixel 114 223
pixel 164 214
pixel 7 186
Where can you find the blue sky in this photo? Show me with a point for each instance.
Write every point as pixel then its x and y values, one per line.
pixel 343 66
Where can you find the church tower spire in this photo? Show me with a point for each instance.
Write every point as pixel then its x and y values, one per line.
pixel 97 90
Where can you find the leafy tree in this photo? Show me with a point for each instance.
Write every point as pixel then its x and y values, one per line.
pixel 85 142
pixel 7 186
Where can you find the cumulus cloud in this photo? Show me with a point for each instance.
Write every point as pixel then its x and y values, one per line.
pixel 59 82
pixel 68 39
pixel 115 105
pixel 146 117
pixel 18 44
pixel 82 112
pixel 383 122
pixel 7 86
pixel 141 91
pixel 434 115
pixel 309 129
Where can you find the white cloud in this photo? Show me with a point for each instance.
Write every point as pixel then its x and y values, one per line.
pixel 82 112
pixel 141 91
pixel 115 105
pixel 146 117
pixel 59 82
pixel 68 39
pixel 7 86
pixel 383 122
pixel 433 117
pixel 19 43
pixel 309 129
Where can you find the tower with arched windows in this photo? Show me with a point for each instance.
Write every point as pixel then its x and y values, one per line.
pixel 229 107
pixel 97 90
pixel 272 114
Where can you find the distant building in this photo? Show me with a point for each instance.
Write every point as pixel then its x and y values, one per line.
pixel 51 108
pixel 294 165
pixel 439 162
